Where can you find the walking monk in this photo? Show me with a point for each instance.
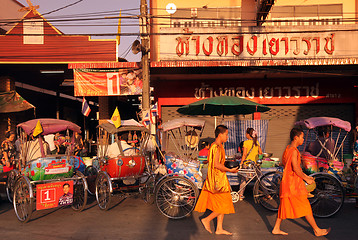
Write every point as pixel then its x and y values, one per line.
pixel 215 194
pixel 293 193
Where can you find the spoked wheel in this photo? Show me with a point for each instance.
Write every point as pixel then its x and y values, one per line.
pixel 10 184
pixel 79 192
pixel 103 190
pixel 267 190
pixel 91 173
pixel 176 196
pixel 148 191
pixel 328 197
pixel 23 199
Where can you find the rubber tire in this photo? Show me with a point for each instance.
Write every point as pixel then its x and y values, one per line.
pixel 10 184
pixel 173 204
pixel 328 192
pixel 103 187
pixel 22 192
pixel 267 190
pixel 79 187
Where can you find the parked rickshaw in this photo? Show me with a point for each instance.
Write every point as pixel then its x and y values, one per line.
pixel 123 166
pixel 177 192
pixel 334 179
pixel 44 179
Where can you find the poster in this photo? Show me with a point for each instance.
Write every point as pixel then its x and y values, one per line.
pixel 113 82
pixel 51 195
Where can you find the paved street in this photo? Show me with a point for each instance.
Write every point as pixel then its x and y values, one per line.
pixel 132 218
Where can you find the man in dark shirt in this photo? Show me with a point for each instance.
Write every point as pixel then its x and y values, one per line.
pixel 323 146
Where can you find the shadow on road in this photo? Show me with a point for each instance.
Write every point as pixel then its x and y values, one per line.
pixel 177 229
pixel 5 206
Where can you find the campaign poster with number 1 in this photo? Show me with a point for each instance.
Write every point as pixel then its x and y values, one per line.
pixel 51 195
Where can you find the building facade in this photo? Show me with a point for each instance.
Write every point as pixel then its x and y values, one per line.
pixel 299 59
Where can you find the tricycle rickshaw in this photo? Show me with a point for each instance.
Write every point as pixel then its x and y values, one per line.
pixel 41 177
pixel 334 179
pixel 122 164
pixel 177 192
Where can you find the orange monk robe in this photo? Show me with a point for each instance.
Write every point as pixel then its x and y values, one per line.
pixel 293 193
pixel 215 194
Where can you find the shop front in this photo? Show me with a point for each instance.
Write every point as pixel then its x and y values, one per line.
pixel 297 74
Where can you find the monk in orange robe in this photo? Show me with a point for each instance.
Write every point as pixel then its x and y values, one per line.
pixel 293 194
pixel 215 194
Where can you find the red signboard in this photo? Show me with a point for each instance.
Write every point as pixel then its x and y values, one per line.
pixel 108 83
pixel 51 195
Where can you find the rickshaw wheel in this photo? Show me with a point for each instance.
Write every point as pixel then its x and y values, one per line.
pixel 91 173
pixel 328 197
pixel 103 190
pixel 267 190
pixel 79 192
pixel 176 196
pixel 149 190
pixel 10 184
pixel 23 199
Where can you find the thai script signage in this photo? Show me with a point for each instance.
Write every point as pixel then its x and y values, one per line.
pixel 286 92
pixel 51 195
pixel 254 45
pixel 260 44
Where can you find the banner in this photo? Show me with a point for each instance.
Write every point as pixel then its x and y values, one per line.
pixel 51 195
pixel 114 82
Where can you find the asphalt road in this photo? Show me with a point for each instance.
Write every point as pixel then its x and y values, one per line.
pixel 132 218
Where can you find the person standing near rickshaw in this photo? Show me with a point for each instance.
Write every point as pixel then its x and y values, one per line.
pixel 251 151
pixel 8 151
pixel 293 193
pixel 215 194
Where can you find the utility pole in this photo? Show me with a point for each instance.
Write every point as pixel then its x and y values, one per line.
pixel 145 58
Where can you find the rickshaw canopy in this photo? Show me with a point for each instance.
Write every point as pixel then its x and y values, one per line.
pixel 314 122
pixel 181 122
pixel 49 126
pixel 126 125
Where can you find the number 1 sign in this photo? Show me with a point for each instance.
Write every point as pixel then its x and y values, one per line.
pixel 51 195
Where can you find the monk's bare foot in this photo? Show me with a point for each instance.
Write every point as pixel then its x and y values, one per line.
pixel 279 232
pixel 206 225
pixel 322 232
pixel 224 232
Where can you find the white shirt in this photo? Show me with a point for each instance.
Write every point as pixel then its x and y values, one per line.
pixel 113 150
pixel 50 140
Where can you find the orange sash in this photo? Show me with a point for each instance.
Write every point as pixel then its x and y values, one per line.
pixel 291 185
pixel 216 181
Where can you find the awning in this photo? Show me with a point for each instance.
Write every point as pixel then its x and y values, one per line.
pixel 13 102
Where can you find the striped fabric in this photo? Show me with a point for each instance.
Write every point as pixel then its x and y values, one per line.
pixel 237 133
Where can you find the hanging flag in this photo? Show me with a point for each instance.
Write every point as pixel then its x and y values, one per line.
pixel 38 129
pixel 153 112
pixel 146 118
pixel 119 27
pixel 85 108
pixel 116 118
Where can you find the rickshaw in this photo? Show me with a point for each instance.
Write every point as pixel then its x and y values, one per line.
pixel 41 177
pixel 177 192
pixel 122 164
pixel 334 179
